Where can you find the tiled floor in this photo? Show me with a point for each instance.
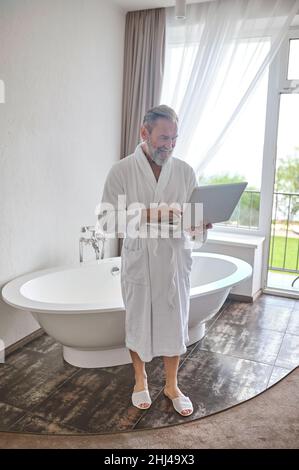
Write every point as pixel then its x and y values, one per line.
pixel 247 348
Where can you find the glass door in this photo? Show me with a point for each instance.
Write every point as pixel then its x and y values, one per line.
pixel 283 259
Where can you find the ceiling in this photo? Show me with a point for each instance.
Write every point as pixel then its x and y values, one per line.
pixel 131 5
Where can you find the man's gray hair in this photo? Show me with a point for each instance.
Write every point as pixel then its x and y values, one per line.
pixel 162 111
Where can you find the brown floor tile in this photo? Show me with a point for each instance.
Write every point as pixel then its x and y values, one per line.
pixel 257 315
pixel 278 373
pixel 46 364
pixel 293 325
pixel 28 386
pixel 35 424
pixel 276 300
pixel 43 344
pixel 213 382
pixel 9 415
pixel 257 344
pixel 93 401
pixel 288 356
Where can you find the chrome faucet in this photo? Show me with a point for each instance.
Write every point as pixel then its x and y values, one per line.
pixel 94 240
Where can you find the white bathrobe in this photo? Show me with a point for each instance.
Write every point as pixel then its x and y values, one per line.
pixel 155 272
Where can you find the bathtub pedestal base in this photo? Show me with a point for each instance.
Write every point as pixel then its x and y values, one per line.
pixel 99 358
pixel 115 357
pixel 196 333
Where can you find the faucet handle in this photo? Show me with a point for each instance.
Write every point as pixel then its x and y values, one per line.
pixel 88 228
pixel 100 236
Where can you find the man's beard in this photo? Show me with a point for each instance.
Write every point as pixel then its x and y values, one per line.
pixel 155 155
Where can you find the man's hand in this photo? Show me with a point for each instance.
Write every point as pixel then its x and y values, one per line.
pixel 162 214
pixel 200 229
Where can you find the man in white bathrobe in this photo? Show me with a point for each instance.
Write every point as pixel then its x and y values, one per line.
pixel 155 271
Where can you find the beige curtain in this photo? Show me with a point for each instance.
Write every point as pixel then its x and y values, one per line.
pixel 143 71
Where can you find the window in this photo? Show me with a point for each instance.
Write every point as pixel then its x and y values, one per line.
pixel 293 66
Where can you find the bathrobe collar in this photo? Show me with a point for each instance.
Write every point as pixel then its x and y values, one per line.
pixel 157 186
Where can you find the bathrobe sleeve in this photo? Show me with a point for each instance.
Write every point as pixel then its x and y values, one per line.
pixel 113 216
pixel 192 183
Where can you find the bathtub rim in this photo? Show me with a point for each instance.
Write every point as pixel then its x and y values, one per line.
pixel 12 296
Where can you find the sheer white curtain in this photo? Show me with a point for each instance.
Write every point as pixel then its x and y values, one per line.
pixel 214 60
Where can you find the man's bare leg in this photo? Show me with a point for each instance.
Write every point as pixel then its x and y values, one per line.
pixel 171 388
pixel 140 375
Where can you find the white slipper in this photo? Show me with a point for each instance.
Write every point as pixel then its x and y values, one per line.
pixel 181 403
pixel 141 397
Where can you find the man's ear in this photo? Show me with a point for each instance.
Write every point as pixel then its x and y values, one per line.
pixel 144 133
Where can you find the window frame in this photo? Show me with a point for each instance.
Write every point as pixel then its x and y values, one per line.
pixel 288 86
pixel 278 85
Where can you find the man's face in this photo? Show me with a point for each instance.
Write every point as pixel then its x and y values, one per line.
pixel 161 141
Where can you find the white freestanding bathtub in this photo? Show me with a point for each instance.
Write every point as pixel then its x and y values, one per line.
pixel 81 306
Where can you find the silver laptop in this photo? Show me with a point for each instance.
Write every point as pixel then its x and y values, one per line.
pixel 219 201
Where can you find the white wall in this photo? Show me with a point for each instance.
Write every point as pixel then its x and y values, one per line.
pixel 62 63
